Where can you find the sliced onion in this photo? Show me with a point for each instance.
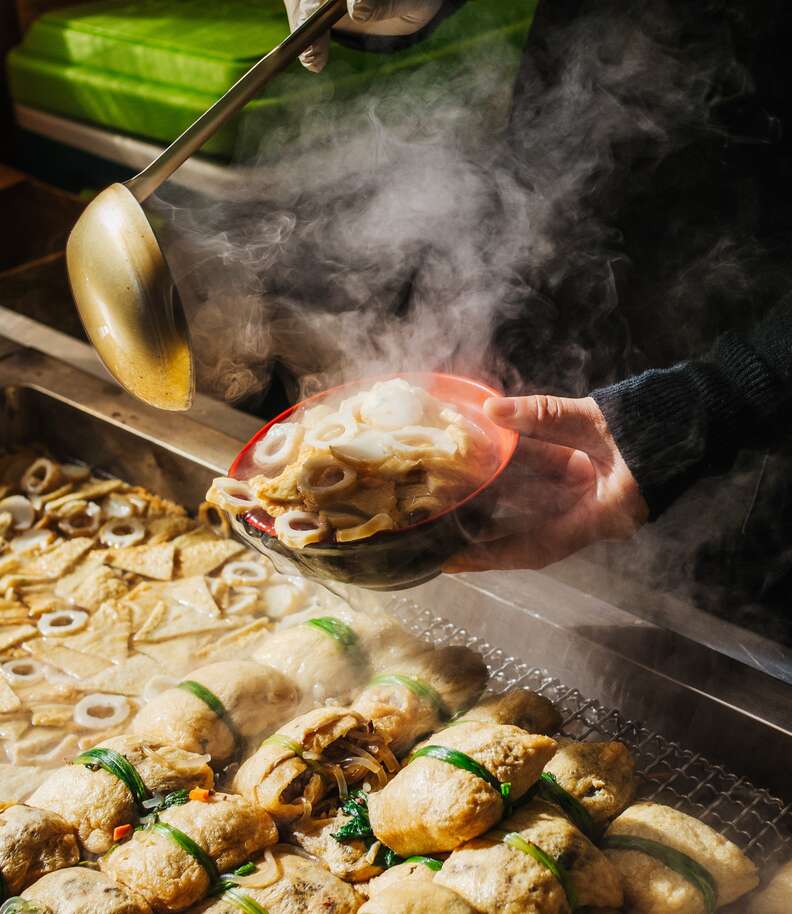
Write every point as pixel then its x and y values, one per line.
pixel 32 539
pixel 184 763
pixel 41 476
pixel 23 671
pixel 62 622
pixel 331 431
pixel 116 505
pixel 376 524
pixel 75 472
pixel 267 873
pixel 278 447
pixel 232 495
pixel 245 572
pixel 423 441
pixel 393 404
pixel 157 685
pixel 101 712
pixel 80 518
pixel 122 532
pixel 341 781
pixel 326 477
pixel 20 509
pixel 297 529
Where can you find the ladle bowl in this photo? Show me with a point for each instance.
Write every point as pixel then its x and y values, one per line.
pixel 393 559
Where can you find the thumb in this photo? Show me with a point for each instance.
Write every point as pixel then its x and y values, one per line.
pixel 574 423
pixel 418 12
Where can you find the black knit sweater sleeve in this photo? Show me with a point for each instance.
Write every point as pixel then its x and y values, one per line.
pixel 676 425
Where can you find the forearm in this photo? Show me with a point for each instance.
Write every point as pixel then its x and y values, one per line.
pixel 676 425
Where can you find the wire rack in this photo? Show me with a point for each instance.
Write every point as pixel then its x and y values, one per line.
pixel 750 816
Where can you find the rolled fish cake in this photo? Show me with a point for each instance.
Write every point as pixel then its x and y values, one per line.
pixel 333 656
pixel 600 775
pixel 498 877
pixel 218 708
pixel 441 799
pixel 158 863
pixel 638 842
pixel 80 890
pixel 314 755
pixel 523 708
pixel 776 896
pixel 416 869
pixel 421 693
pixel 95 800
pixel 416 898
pixel 33 842
pixel 287 883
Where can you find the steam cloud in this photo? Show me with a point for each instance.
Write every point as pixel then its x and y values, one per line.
pixel 424 227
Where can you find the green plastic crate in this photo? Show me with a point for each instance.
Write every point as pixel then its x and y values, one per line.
pixel 150 67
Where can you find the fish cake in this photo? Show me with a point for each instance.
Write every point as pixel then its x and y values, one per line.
pixel 33 842
pixel 80 890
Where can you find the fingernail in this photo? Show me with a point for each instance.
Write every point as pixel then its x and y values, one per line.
pixel 362 12
pixel 502 408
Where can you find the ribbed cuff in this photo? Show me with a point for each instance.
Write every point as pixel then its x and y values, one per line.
pixel 675 425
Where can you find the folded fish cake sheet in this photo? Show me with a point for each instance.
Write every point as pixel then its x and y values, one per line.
pixel 288 884
pixel 498 878
pixel 95 801
pixel 432 806
pixel 227 829
pixel 80 890
pixel 252 699
pixel 651 886
pixel 33 842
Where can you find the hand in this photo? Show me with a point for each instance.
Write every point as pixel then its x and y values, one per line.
pixel 370 17
pixel 568 486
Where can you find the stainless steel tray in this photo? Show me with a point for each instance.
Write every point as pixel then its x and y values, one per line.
pixel 707 731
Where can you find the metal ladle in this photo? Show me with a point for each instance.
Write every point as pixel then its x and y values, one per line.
pixel 124 291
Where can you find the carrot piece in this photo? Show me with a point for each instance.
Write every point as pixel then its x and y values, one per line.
pixel 200 793
pixel 122 831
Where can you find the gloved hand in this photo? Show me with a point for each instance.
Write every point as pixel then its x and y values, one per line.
pixel 567 486
pixel 370 17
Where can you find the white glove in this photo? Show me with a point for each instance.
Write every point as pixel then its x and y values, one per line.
pixel 368 17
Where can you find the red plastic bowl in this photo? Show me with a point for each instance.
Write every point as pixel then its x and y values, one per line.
pixel 393 559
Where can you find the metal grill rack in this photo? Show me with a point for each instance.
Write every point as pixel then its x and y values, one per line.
pixel 669 773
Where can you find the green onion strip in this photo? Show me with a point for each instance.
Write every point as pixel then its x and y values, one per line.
pixel 466 763
pixel 419 688
pixel 114 763
pixel 237 897
pixel 429 862
pixel 549 789
pixel 515 840
pixel 675 860
pixel 190 847
pixel 337 630
pixel 214 704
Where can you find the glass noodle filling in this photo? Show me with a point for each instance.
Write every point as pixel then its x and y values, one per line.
pixel 381 459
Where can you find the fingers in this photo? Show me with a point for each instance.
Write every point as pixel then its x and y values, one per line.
pixel 571 423
pixel 416 12
pixel 313 58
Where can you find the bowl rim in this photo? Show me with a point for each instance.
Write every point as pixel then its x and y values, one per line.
pixel 427 521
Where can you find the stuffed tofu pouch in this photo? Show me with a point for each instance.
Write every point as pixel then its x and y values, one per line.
pixel 416 898
pixel 523 708
pixel 224 832
pixel 95 800
pixel 435 805
pixel 332 656
pixel 79 890
pixel 218 708
pixel 671 862
pixel 416 869
pixel 421 694
pixel 499 876
pixel 599 775
pixel 286 883
pixel 317 755
pixel 352 860
pixel 775 896
pixel 33 842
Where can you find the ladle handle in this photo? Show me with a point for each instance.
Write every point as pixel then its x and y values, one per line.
pixel 145 183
